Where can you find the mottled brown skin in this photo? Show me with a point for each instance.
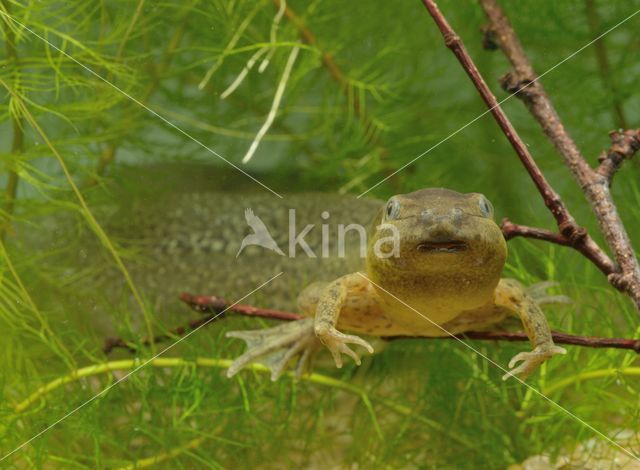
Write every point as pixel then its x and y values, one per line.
pixel 442 278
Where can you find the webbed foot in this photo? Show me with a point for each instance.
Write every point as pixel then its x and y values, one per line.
pixel 275 347
pixel 336 342
pixel 531 360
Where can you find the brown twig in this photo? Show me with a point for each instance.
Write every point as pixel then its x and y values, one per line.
pixel 216 308
pixel 551 198
pixel 597 257
pixel 511 230
pixel 623 146
pixel 594 183
pixel 523 82
pixel 558 338
pixel 214 304
pixel 571 234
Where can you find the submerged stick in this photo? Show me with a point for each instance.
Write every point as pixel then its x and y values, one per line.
pixel 213 305
pixel 570 233
pixel 595 183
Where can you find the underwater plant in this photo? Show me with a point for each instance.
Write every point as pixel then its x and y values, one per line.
pixel 134 137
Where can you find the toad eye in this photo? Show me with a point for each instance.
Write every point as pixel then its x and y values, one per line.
pixel 393 209
pixel 486 209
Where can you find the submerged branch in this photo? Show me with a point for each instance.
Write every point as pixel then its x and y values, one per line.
pixel 216 306
pixel 558 338
pixel 596 256
pixel 551 198
pixel 213 306
pixel 624 145
pixel 595 184
pixel 523 82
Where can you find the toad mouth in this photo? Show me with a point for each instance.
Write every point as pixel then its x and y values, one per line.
pixel 445 246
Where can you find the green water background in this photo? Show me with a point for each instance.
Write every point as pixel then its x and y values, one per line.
pixel 417 404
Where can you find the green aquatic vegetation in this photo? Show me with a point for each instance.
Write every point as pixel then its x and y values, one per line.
pixel 75 151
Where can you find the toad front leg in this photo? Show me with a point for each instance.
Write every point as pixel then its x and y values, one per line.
pixel 278 346
pixel 332 300
pixel 511 295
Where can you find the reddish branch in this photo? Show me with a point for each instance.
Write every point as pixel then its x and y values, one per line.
pixel 217 306
pixel 625 144
pixel 523 82
pixel 551 198
pixel 558 338
pixel 597 257
pixel 511 230
pixel 595 183
pixel 213 306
